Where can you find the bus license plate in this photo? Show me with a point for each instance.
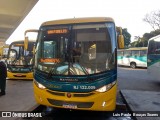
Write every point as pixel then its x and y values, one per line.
pixel 71 106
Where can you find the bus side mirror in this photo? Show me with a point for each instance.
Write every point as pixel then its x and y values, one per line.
pixel 120 39
pixel 120 42
pixel 26 43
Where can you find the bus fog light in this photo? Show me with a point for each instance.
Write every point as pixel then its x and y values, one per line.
pixel 103 104
pixel 40 99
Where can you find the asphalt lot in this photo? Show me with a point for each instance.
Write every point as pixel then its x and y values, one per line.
pixel 136 79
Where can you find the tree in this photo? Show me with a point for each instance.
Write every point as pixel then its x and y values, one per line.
pixel 127 37
pixel 138 43
pixel 153 19
pixel 143 41
pixel 134 44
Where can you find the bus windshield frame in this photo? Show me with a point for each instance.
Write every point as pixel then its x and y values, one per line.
pixel 76 49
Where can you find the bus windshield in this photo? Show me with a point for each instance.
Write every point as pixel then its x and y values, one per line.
pixel 19 56
pixel 80 49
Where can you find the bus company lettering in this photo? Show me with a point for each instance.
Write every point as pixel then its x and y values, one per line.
pixel 50 60
pixel 54 86
pixel 69 79
pixel 84 87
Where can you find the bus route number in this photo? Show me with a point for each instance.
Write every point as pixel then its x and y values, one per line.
pixel 84 87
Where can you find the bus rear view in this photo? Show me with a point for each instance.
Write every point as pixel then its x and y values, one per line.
pixel 75 64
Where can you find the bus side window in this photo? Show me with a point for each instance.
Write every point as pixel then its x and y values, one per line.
pixel 143 53
pixel 135 53
pixel 157 46
pixel 120 53
pixel 127 53
pixel 157 51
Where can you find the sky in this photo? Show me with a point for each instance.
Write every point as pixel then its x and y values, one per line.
pixel 126 13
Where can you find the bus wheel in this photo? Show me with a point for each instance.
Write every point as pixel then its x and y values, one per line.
pixel 133 65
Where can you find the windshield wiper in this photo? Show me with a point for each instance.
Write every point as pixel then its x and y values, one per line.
pixel 52 71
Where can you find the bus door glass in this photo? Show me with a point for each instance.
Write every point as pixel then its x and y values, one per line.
pixel 18 50
pixel 143 57
pixel 153 62
pixel 93 45
pixel 154 52
pixel 29 53
pixel 135 57
pixel 120 57
pixel 127 55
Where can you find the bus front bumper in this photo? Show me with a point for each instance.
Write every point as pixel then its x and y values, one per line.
pixel 95 101
pixel 11 75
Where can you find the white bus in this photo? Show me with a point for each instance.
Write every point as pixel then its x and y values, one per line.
pixel 133 57
pixel 153 57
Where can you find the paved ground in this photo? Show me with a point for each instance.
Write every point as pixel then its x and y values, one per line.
pixel 145 103
pixel 19 97
pixel 136 79
pixel 141 91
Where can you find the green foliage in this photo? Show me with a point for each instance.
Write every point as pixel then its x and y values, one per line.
pixel 127 37
pixel 147 36
pixel 143 41
pixel 154 21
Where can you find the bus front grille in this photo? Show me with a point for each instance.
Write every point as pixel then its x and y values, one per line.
pixel 19 75
pixel 56 93
pixel 83 95
pixel 60 103
pixel 73 94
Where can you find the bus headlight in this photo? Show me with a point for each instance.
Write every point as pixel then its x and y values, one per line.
pixel 8 70
pixel 39 85
pixel 106 87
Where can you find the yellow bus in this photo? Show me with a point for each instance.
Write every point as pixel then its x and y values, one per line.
pixel 76 64
pixel 4 52
pixel 20 61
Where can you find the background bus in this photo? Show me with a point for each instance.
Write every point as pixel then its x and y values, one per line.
pixel 75 64
pixel 153 56
pixel 20 61
pixel 4 52
pixel 133 57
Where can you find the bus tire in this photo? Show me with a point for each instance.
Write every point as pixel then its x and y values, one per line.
pixel 133 65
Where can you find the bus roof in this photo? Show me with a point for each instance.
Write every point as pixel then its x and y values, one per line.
pixel 20 41
pixel 156 38
pixel 78 20
pixel 135 48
